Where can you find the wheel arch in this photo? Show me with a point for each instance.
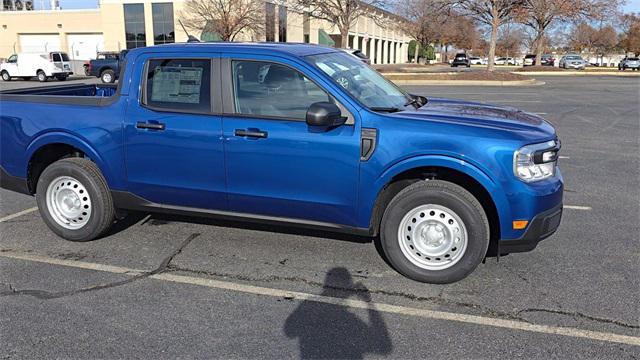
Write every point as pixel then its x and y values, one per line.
pixel 53 146
pixel 445 168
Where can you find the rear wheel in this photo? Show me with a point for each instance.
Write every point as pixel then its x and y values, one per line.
pixel 108 76
pixel 42 77
pixel 6 76
pixel 74 200
pixel 435 231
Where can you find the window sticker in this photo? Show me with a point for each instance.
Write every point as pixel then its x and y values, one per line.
pixel 176 84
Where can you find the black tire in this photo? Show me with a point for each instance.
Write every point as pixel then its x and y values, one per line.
pixel 5 76
pixel 108 76
pixel 444 194
pixel 102 209
pixel 42 77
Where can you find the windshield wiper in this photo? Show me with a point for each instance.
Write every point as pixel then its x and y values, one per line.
pixel 385 109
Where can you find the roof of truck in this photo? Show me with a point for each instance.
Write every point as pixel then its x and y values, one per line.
pixel 296 49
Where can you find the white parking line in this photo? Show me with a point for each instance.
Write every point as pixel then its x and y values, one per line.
pixel 387 308
pixel 563 157
pixel 13 216
pixel 577 207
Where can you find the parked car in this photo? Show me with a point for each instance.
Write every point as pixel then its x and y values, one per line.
pixel 475 61
pixel 106 66
pixel 359 54
pixel 43 66
pixel 548 60
pixel 529 60
pixel 632 63
pixel 461 60
pixel 572 61
pixel 505 61
pixel 300 135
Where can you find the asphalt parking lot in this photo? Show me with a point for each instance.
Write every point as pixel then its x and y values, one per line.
pixel 166 287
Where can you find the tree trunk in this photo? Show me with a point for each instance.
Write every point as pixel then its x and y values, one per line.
pixel 539 48
pixel 492 45
pixel 344 37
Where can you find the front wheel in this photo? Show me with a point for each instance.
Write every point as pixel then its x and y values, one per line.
pixel 74 200
pixel 6 76
pixel 435 231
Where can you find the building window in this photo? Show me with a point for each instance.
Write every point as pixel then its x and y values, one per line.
pixel 134 25
pixel 270 22
pixel 306 27
pixel 163 32
pixel 282 23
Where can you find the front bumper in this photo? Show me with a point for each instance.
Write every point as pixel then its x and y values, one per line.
pixel 541 227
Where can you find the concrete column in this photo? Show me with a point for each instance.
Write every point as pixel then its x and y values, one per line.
pixel 394 59
pixel 148 23
pixel 355 41
pixel 385 50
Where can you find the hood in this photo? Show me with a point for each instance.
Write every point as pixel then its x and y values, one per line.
pixel 479 114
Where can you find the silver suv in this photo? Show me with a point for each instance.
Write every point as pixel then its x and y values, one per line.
pixel 632 63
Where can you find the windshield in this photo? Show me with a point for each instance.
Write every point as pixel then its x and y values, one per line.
pixel 574 58
pixel 361 81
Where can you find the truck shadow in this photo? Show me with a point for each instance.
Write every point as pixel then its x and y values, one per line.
pixel 331 331
pixel 134 218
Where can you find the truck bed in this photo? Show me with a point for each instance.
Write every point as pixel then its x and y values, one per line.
pixel 79 94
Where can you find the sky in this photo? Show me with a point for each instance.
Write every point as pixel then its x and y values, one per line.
pixel 631 6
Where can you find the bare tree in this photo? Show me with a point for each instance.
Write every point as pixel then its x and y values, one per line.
pixel 426 20
pixel 541 15
pixel 493 13
pixel 630 36
pixel 342 13
pixel 599 41
pixel 227 18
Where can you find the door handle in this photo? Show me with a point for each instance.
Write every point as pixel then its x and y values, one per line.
pixel 251 133
pixel 150 125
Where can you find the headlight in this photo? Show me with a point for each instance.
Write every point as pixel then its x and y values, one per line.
pixel 537 161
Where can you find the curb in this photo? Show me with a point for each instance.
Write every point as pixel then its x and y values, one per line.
pixel 577 73
pixel 530 82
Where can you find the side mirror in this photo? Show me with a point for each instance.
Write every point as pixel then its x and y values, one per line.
pixel 324 114
pixel 421 100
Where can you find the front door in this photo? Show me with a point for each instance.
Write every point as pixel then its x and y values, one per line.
pixel 276 164
pixel 174 151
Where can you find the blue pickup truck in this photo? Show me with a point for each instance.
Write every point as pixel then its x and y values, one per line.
pixel 291 134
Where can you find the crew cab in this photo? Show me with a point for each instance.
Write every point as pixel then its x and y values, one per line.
pixel 294 134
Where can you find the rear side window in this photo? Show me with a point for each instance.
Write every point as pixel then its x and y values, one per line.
pixel 179 85
pixel 273 90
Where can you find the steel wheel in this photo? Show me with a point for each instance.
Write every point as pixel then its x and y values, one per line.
pixel 432 237
pixel 68 202
pixel 107 78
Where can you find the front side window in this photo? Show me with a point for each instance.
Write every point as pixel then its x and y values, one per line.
pixel 273 90
pixel 56 57
pixel 13 59
pixel 179 85
pixel 361 81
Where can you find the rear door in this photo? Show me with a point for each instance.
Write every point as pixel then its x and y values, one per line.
pixel 276 164
pixel 173 134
